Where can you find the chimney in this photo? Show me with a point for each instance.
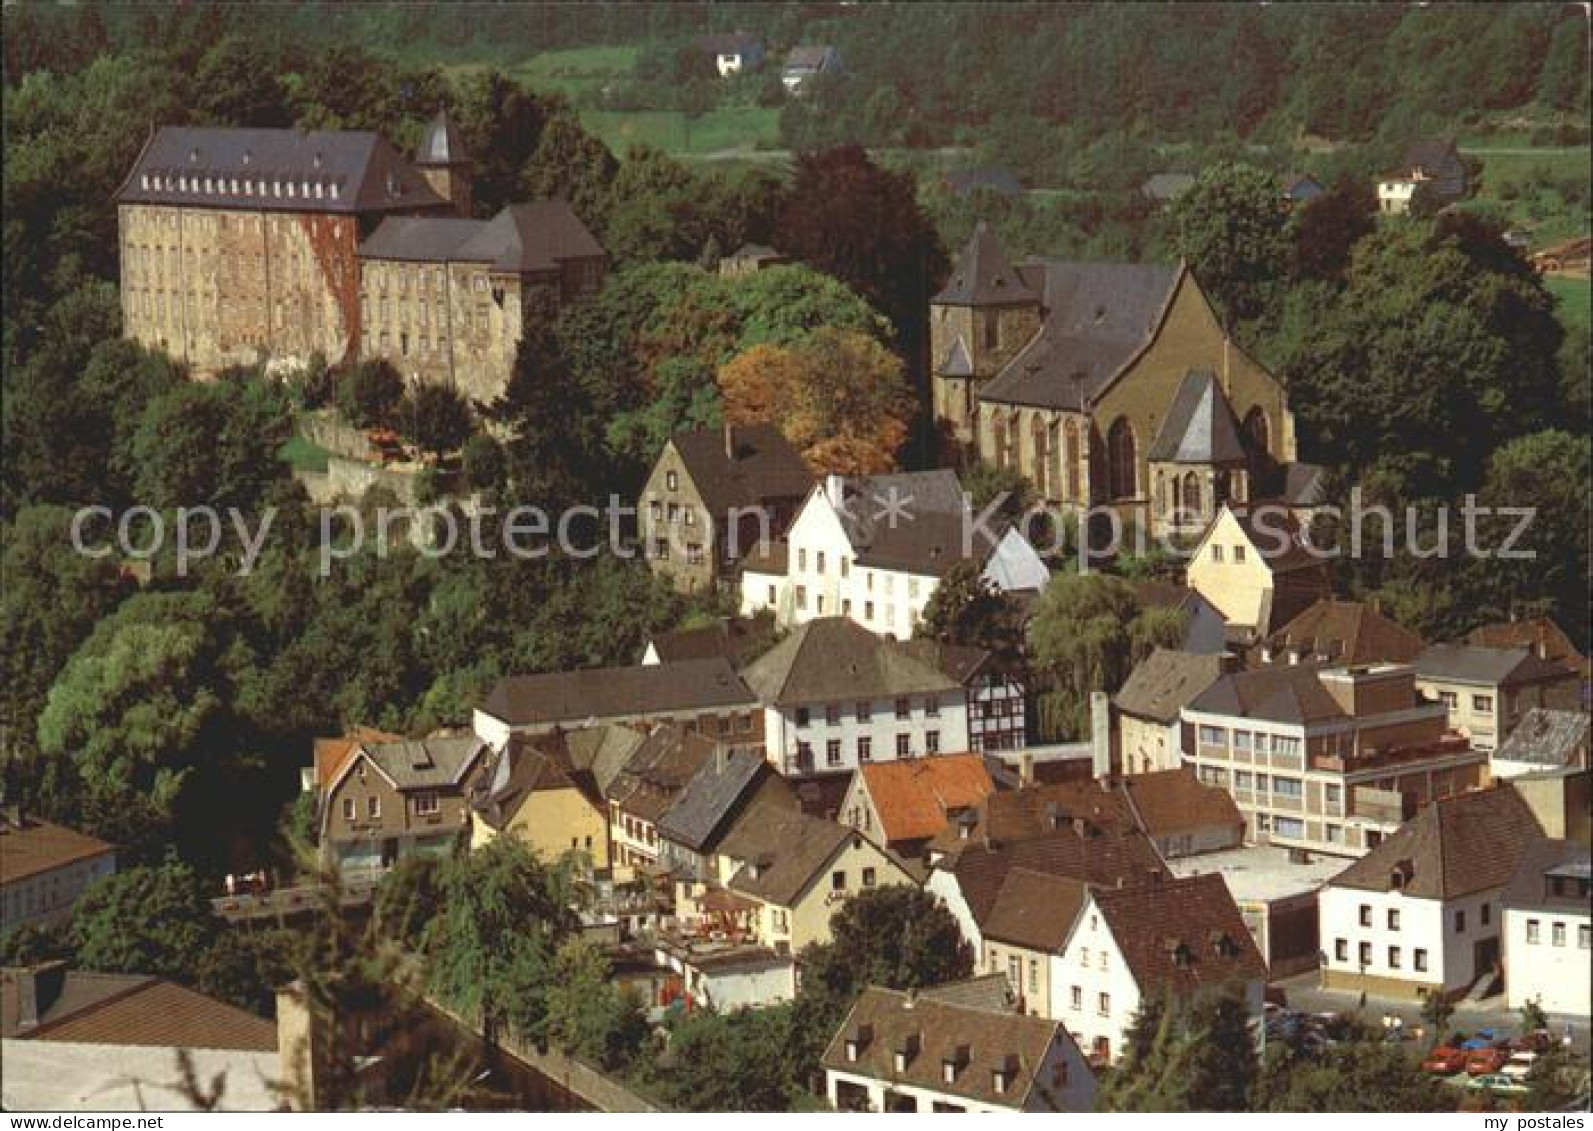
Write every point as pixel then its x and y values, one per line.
pixel 730 442
pixel 1025 770
pixel 38 987
pixel 721 761
pixel 834 490
pixel 1100 734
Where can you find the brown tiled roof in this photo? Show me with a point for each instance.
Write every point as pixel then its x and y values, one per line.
pixel 1346 632
pixel 990 1038
pixel 735 638
pixel 528 765
pixel 914 797
pixel 1283 694
pixel 1456 846
pixel 1164 682
pixel 1034 909
pixel 783 849
pixel 330 753
pixel 610 693
pixel 1104 859
pixel 1175 801
pixel 29 846
pixel 836 660
pixel 1181 934
pixel 151 1011
pixel 1539 634
pixel 1039 810
pixel 764 470
pixel 658 770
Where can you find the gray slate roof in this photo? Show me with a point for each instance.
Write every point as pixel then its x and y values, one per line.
pixel 912 521
pixel 1544 862
pixel 599 693
pixel 1200 426
pixel 764 469
pixel 982 276
pixel 1471 663
pixel 442 144
pixel 366 172
pixel 1164 682
pixel 1304 484
pixel 994 178
pixel 720 784
pixel 834 659
pixel 520 239
pixel 1167 186
pixel 956 363
pixel 1548 738
pixel 426 763
pixel 1099 316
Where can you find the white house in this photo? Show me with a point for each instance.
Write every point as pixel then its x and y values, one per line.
pixel 927 1052
pixel 1420 913
pixel 835 696
pixel 1130 943
pixel 873 549
pixel 1548 938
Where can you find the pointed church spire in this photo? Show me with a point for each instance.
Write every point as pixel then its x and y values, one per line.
pixel 442 144
pixel 983 276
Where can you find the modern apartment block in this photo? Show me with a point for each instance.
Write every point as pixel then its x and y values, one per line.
pixel 1329 759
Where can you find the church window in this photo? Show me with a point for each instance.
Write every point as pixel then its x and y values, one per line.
pixel 1122 459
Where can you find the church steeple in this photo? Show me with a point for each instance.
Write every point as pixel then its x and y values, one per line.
pixel 983 276
pixel 445 163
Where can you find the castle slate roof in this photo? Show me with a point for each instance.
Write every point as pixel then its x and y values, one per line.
pixel 529 238
pixel 1200 426
pixel 982 275
pixel 834 659
pixel 1283 694
pixel 1183 934
pixel 1454 847
pixel 442 144
pixel 595 693
pixel 521 239
pixel 1165 682
pixel 742 465
pixel 1347 632
pixel 1099 317
pixel 340 171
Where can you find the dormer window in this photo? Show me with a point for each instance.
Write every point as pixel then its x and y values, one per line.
pixel 319 188
pixel 290 190
pixel 1004 1073
pixel 143 182
pixel 907 1050
pixel 334 190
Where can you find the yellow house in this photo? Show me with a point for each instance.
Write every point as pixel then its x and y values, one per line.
pixel 536 793
pixel 1256 568
pixel 798 870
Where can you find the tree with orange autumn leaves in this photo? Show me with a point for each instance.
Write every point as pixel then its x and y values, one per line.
pixel 839 396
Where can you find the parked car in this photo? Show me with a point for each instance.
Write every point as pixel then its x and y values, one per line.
pixel 1483 1062
pixel 1498 1083
pixel 1444 1061
pixel 1538 1041
pixel 1519 1066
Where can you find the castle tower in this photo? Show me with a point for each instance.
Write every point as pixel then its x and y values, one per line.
pixel 983 316
pixel 445 164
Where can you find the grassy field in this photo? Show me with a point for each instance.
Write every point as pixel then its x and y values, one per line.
pixel 738 128
pixel 1544 189
pixel 1575 295
pixel 303 454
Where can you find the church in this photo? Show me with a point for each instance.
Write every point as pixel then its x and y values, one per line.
pixel 1104 384
pixel 239 245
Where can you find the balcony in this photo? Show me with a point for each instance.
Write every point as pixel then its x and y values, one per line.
pixel 1385 806
pixel 1372 759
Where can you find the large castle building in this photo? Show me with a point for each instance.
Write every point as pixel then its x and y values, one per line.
pixel 1104 384
pixel 243 244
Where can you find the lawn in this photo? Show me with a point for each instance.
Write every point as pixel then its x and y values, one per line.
pixel 1574 295
pixel 304 454
pixel 1543 189
pixel 732 128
